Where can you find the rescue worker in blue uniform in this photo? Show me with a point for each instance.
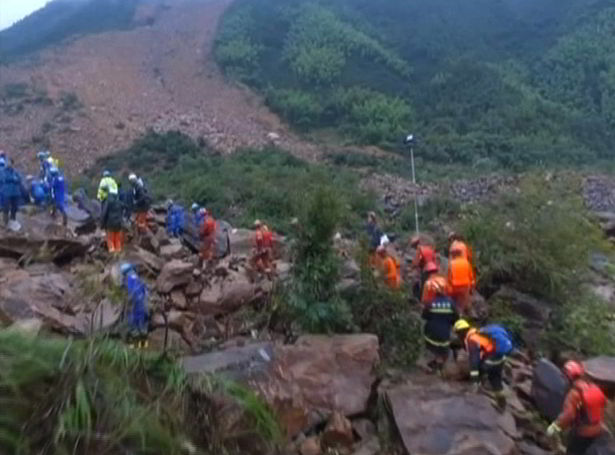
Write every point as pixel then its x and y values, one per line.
pixel 137 316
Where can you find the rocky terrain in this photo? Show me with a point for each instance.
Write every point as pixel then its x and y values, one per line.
pixel 330 393
pixel 94 95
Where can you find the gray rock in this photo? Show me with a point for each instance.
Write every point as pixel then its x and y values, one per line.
pixel 549 388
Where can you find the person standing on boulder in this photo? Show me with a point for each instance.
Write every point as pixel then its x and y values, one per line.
pixel 140 202
pixel 110 183
pixel 440 314
pixel 11 191
pixel 112 220
pixel 425 254
pixel 209 237
pixel 486 351
pixel 582 412
pixel 374 236
pixel 138 315
pixel 462 281
pixel 58 194
pixel 390 268
pixel 262 257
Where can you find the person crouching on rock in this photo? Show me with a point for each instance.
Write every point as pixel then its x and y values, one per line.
pixel 583 411
pixel 440 314
pixel 487 349
pixel 138 314
pixel 112 219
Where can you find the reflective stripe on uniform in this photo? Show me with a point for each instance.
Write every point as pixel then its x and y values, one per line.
pixel 443 344
pixel 441 311
pixel 495 362
pixel 474 374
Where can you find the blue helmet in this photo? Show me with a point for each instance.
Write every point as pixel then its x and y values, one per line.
pixel 106 173
pixel 53 170
pixel 126 267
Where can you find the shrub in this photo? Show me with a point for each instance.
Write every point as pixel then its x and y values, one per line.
pixel 388 314
pixel 302 109
pixel 537 240
pixel 312 298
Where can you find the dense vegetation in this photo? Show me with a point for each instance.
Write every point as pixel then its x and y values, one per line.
pixel 62 19
pixel 267 184
pixel 510 83
pixel 95 397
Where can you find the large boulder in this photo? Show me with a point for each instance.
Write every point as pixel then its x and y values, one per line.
pixel 440 418
pixel 305 382
pixel 145 261
pixel 174 274
pixel 602 371
pixel 549 389
pixel 535 313
pixel 227 294
pixel 47 297
pixel 47 250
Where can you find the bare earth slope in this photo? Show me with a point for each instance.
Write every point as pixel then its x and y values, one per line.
pixel 161 76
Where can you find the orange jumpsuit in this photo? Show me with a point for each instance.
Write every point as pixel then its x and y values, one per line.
pixel 434 286
pixel 209 238
pixel 462 281
pixel 391 273
pixel 460 248
pixel 263 256
pixel 587 422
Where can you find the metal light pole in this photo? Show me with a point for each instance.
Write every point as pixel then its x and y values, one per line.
pixel 410 142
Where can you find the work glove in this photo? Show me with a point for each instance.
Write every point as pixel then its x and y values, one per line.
pixel 553 430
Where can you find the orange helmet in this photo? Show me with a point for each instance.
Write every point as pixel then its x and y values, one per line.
pixel 574 370
pixel 415 241
pixel 431 267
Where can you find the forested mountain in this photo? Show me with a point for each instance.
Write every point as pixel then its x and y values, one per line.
pixel 489 82
pixel 61 19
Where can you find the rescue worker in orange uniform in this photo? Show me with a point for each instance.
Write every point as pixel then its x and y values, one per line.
pixel 439 313
pixel 582 412
pixel 483 359
pixel 262 259
pixel 389 268
pixel 461 281
pixel 425 254
pixel 209 237
pixel 459 246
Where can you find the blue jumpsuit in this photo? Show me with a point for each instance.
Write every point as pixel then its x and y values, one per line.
pixel 58 194
pixel 38 192
pixel 11 191
pixel 175 221
pixel 137 292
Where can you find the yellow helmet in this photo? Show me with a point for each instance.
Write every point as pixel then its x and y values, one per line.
pixel 460 325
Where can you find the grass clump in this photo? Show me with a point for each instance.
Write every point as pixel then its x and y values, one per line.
pixel 97 397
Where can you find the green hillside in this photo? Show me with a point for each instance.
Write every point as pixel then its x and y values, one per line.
pixel 491 83
pixel 62 19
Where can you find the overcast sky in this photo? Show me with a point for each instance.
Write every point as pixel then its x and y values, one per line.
pixel 13 10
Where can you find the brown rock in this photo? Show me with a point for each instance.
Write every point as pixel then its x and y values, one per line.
pixel 226 295
pixel 439 418
pixel 194 288
pixel 174 274
pixel 149 242
pixel 48 250
pixel 305 382
pixel 145 261
pixel 369 447
pixel 178 299
pixel 172 251
pixel 338 432
pixel 175 342
pixel 364 428
pixel 46 297
pixel 311 446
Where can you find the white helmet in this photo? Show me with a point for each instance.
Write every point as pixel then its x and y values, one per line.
pixel 132 177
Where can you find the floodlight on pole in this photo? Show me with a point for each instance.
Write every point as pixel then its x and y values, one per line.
pixel 410 142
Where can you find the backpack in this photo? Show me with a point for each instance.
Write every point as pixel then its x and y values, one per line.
pixel 594 402
pixel 501 338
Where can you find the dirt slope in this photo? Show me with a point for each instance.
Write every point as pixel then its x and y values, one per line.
pixel 161 76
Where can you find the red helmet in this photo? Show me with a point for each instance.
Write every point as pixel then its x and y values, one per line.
pixel 431 267
pixel 574 370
